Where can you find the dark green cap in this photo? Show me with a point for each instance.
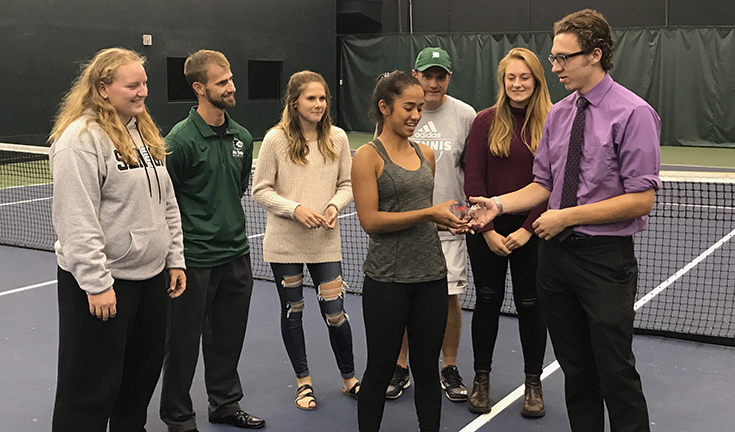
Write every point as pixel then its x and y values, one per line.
pixel 433 56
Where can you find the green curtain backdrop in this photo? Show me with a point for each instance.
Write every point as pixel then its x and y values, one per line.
pixel 686 74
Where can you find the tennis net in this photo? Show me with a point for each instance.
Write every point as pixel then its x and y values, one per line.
pixel 686 260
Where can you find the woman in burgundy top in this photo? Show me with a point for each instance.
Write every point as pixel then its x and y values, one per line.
pixel 500 151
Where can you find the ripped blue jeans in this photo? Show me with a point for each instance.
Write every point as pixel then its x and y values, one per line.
pixel 327 279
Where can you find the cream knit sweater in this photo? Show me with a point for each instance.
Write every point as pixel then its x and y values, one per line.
pixel 280 185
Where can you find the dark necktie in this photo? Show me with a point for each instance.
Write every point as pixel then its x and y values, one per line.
pixel 571 170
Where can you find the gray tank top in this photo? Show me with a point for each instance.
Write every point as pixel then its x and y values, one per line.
pixel 415 253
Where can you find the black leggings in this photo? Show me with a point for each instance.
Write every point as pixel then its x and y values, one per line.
pixel 489 271
pixel 388 309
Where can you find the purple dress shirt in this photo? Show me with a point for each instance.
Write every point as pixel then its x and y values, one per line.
pixel 621 151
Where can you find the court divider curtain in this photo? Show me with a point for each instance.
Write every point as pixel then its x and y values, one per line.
pixel 686 74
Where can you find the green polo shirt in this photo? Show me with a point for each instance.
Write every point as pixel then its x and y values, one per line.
pixel 210 175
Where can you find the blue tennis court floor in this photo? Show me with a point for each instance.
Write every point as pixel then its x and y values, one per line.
pixel 689 386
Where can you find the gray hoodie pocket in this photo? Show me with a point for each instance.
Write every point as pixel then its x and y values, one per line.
pixel 147 245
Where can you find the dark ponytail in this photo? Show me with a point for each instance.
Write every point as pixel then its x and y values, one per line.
pixel 388 87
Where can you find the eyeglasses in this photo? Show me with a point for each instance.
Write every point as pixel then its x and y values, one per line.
pixel 562 58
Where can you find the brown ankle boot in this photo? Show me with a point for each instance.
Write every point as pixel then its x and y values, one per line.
pixel 533 400
pixel 480 395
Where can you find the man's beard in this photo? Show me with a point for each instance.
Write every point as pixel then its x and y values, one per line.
pixel 220 103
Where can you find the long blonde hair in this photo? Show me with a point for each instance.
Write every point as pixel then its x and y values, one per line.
pixel 84 96
pixel 290 122
pixel 539 104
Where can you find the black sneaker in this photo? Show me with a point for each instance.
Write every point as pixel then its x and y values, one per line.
pixel 452 384
pixel 398 382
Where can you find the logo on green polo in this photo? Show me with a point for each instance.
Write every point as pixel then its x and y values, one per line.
pixel 237 148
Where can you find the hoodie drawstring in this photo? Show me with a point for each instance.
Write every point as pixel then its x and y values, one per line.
pixel 145 168
pixel 145 164
pixel 158 182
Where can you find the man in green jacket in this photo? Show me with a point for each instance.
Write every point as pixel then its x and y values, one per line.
pixel 209 163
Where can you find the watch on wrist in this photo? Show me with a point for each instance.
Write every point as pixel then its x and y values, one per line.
pixel 498 204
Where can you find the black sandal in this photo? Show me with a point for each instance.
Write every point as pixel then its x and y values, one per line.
pixel 353 391
pixel 303 392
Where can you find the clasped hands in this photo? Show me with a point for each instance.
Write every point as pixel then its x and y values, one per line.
pixel 311 219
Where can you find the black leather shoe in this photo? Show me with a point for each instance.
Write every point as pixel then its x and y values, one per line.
pixel 240 419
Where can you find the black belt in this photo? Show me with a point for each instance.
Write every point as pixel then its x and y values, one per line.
pixel 576 239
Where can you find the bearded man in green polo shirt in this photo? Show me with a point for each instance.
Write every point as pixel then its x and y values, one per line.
pixel 209 161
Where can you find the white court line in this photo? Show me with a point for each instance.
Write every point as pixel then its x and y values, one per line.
pixel 553 367
pixel 645 299
pixel 26 186
pixel 26 288
pixel 25 201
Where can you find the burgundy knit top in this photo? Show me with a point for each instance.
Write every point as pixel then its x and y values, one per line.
pixel 487 175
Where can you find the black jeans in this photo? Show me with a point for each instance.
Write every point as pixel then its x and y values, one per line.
pixel 214 308
pixel 388 310
pixel 587 288
pixel 292 306
pixel 109 369
pixel 489 271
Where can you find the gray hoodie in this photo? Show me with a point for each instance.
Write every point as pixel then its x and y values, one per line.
pixel 113 220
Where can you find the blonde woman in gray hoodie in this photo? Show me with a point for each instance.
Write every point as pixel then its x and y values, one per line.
pixel 118 228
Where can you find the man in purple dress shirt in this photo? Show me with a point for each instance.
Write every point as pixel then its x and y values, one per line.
pixel 587 274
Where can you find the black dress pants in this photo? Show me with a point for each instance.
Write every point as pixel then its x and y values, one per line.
pixel 587 288
pixel 108 369
pixel 215 309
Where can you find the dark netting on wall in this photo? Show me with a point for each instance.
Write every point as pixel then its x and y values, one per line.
pixel 684 73
pixel 686 260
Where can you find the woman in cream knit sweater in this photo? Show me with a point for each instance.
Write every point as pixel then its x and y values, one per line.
pixel 302 179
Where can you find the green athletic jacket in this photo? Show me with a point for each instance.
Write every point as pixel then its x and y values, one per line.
pixel 210 176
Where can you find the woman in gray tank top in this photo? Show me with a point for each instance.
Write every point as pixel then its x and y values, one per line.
pixel 405 273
